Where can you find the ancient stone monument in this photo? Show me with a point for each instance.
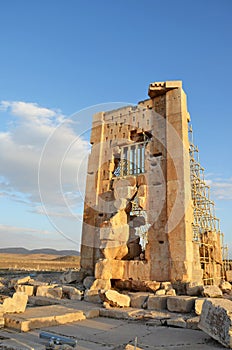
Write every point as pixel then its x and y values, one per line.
pixel 148 215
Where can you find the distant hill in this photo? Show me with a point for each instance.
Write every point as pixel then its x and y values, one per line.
pixel 48 251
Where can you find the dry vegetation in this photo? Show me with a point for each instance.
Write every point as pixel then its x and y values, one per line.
pixel 38 262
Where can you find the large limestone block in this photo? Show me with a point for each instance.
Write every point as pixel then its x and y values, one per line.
pixel 49 291
pixel 29 290
pixel 113 250
pixel 110 269
pixel 211 292
pixel 16 304
pixel 216 320
pixel 115 299
pixel 180 303
pixel 157 302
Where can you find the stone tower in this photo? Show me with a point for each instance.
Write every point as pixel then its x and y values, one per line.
pixel 139 210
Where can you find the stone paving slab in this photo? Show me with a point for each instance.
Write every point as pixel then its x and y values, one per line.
pixel 43 316
pixel 110 334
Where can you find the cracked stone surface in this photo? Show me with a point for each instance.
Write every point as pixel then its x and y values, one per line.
pixel 110 334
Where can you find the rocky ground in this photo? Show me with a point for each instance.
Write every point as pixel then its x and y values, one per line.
pixel 75 305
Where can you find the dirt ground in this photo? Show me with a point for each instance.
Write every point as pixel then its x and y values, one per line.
pixel 37 262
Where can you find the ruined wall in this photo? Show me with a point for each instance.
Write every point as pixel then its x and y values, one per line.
pixel 138 210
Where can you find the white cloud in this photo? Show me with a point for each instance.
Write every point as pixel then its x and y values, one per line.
pixel 39 131
pixel 15 229
pixel 221 188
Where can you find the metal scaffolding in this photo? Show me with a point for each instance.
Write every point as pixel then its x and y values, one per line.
pixel 206 226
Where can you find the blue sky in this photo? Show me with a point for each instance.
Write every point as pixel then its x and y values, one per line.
pixel 59 57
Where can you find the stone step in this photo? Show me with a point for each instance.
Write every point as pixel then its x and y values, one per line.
pixel 43 316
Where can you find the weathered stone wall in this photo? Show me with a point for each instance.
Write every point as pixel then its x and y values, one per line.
pixel 161 192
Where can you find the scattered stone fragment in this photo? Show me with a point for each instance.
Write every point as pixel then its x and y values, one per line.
pixel 225 287
pixel 157 302
pixel 88 281
pixel 115 299
pixel 171 292
pixel 166 285
pixel 145 286
pixel 72 293
pixel 49 291
pixel 194 290
pixel 211 292
pixel 198 305
pixel 181 303
pixel 138 299
pixel 92 296
pixel 216 320
pixel 192 323
pixel 29 290
pixel 178 322
pixel 73 276
pixel 99 284
pixel 160 292
pixel 16 304
pixel 16 281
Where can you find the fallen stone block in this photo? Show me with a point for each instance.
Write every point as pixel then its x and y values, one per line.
pixel 115 299
pixel 211 292
pixel 178 322
pixel 73 276
pixel 92 296
pixel 49 291
pixel 16 304
pixel 72 293
pixel 99 284
pixel 198 305
pixel 16 281
pixel 181 303
pixel 216 320
pixel 225 287
pixel 192 323
pixel 194 290
pixel 88 281
pixel 44 316
pixel 29 290
pixel 138 299
pixel 157 302
pixel 166 285
pixel 171 292
pixel 160 292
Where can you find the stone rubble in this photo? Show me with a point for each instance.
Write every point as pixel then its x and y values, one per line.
pixel 158 302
